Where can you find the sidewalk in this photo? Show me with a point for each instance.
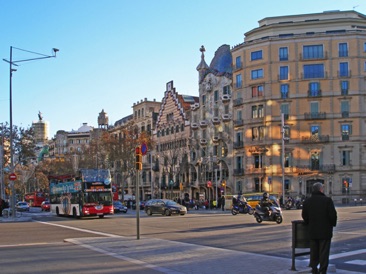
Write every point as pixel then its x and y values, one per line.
pixel 172 257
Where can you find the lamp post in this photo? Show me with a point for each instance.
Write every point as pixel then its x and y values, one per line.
pixel 11 70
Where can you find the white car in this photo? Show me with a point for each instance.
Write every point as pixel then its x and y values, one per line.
pixel 22 206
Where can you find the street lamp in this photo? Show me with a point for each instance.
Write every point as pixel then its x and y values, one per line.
pixel 11 70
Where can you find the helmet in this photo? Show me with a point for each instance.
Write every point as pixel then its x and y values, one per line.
pixel 265 195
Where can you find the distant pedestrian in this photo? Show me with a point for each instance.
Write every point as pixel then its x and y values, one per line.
pixel 320 215
pixel 223 203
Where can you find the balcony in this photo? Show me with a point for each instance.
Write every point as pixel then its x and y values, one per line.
pixel 215 120
pixel 194 126
pixel 203 142
pixel 238 172
pixel 239 122
pixel 344 91
pixel 345 137
pixel 315 116
pixel 225 98
pixel 238 144
pixel 226 117
pixel 314 93
pixel 195 106
pixel 344 74
pixel 318 56
pixel 238 102
pixel 203 123
pixel 315 139
pixel 215 139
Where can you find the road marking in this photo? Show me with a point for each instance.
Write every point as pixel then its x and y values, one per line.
pixel 346 254
pixel 30 244
pixel 357 262
pixel 118 256
pixel 80 229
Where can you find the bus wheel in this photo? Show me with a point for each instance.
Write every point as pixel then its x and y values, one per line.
pixel 101 216
pixel 74 213
pixel 57 212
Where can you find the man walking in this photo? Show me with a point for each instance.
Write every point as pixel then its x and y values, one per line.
pixel 320 215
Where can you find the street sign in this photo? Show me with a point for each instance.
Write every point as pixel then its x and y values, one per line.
pixel 209 184
pixel 12 177
pixel 143 149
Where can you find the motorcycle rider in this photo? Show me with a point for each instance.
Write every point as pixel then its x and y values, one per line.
pixel 266 204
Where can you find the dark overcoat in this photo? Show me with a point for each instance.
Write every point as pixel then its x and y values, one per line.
pixel 320 215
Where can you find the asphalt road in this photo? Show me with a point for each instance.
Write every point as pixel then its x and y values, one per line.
pixel 39 247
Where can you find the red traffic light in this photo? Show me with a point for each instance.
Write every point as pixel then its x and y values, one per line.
pixel 138 151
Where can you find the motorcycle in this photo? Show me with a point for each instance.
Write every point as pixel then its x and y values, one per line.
pixel 299 203
pixel 242 208
pixel 275 214
pixel 290 203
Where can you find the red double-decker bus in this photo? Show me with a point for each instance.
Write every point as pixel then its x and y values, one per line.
pixel 88 194
pixel 35 198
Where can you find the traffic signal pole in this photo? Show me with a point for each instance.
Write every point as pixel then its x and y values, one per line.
pixel 138 165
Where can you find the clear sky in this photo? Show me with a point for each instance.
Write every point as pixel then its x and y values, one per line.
pixel 114 53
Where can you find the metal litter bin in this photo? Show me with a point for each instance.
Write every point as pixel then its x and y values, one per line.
pixel 300 239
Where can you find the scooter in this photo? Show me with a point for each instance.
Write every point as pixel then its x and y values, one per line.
pixel 242 208
pixel 275 214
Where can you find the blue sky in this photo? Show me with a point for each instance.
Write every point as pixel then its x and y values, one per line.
pixel 114 53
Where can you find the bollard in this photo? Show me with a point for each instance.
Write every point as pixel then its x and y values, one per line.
pixel 300 239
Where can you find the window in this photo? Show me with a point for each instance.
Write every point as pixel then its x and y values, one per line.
pixel 313 71
pixel 257 73
pixel 314 89
pixel 314 163
pixel 257 91
pixel 238 81
pixel 238 162
pixel 258 161
pixel 314 107
pixel 226 90
pixel 257 133
pixel 238 62
pixel 254 112
pixel 342 50
pixel 283 54
pixel 314 130
pixel 260 111
pixel 346 158
pixel 216 95
pixel 346 131
pixel 344 87
pixel 256 55
pixel 203 99
pixel 343 69
pixel 287 159
pixel 364 47
pixel 284 73
pixel 284 91
pixel 345 109
pixel 313 52
pixel 239 115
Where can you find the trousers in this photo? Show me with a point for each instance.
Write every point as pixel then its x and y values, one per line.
pixel 319 255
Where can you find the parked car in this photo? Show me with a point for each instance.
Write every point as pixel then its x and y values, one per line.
pixel 119 207
pixel 46 206
pixel 22 206
pixel 164 207
pixel 142 205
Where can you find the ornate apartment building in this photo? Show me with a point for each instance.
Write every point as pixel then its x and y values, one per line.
pixel 312 69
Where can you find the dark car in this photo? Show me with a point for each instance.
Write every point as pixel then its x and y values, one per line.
pixel 119 207
pixel 142 205
pixel 164 207
pixel 46 206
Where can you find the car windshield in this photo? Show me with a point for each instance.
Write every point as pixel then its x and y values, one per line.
pixel 22 204
pixel 171 203
pixel 117 203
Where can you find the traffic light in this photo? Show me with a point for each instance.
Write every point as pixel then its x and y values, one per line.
pixel 138 155
pixel 180 186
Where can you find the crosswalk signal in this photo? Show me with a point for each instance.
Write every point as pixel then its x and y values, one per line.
pixel 138 155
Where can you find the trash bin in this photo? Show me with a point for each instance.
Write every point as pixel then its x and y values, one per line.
pixel 300 239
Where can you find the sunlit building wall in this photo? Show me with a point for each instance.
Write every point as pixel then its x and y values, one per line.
pixel 311 68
